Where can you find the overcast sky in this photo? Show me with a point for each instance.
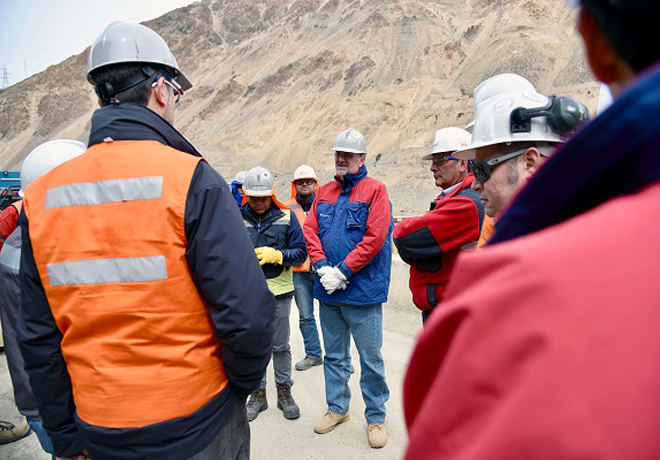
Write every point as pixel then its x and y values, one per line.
pixel 45 32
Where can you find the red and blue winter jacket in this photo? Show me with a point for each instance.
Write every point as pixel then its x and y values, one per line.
pixel 431 243
pixel 350 227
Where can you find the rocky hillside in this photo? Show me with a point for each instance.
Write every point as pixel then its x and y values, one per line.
pixel 277 80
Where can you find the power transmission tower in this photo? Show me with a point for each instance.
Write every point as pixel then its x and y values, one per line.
pixel 5 77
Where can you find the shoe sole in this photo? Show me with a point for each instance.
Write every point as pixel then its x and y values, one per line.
pixel 328 430
pixel 289 416
pixel 261 409
pixel 7 441
pixel 373 446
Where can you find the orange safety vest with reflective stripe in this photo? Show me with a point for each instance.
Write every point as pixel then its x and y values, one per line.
pixel 293 205
pixel 107 231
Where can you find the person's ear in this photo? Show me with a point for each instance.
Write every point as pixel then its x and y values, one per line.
pixel 531 162
pixel 462 166
pixel 602 57
pixel 160 92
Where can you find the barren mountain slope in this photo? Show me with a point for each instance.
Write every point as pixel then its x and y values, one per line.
pixel 275 81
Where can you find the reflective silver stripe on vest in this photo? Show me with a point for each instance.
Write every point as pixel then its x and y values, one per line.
pixel 131 270
pixel 109 191
pixel 10 257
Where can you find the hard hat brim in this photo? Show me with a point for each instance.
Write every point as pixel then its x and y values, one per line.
pixel 469 153
pixel 258 193
pixel 348 150
pixel 305 177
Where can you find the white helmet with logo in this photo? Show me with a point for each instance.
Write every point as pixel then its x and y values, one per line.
pixel 46 157
pixel 350 140
pixel 122 42
pixel 448 140
pixel 304 172
pixel 258 182
pixel 493 123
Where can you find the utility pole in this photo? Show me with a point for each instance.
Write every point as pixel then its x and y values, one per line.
pixel 5 77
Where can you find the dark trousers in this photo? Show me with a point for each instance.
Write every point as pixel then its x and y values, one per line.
pixel 233 440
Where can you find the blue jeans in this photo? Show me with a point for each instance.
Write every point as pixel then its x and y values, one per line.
pixel 304 295
pixel 338 322
pixel 37 426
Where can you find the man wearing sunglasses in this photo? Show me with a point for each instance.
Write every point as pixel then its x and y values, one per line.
pixel 431 243
pixel 506 159
pixel 548 347
pixel 145 319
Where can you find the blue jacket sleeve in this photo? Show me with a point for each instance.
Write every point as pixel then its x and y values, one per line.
pixel 40 342
pixel 228 276
pixel 296 251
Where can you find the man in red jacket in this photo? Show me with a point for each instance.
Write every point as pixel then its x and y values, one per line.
pixel 431 243
pixel 547 343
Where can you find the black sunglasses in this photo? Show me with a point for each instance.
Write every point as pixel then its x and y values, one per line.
pixel 439 161
pixel 305 182
pixel 483 169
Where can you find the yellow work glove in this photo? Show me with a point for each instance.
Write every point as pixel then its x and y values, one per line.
pixel 268 255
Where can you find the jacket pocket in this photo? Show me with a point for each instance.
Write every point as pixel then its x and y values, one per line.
pixel 356 218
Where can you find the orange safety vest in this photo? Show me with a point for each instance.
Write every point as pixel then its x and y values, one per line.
pixel 293 205
pixel 107 230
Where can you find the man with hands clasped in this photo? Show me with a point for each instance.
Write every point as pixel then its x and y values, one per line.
pixel 348 233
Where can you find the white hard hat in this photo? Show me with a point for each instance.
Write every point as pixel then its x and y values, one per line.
pixel 258 182
pixel 493 125
pixel 123 42
pixel 304 172
pixel 47 156
pixel 240 177
pixel 449 140
pixel 503 83
pixel 350 140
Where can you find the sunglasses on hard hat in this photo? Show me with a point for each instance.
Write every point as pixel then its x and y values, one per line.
pixel 172 83
pixel 305 181
pixel 439 161
pixel 483 169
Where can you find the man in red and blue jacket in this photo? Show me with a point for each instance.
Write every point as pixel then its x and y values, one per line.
pixel 348 233
pixel 431 243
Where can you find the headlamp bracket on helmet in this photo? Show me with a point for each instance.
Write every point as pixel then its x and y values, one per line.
pixel 563 114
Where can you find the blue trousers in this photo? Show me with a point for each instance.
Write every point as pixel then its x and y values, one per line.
pixel 365 324
pixel 304 295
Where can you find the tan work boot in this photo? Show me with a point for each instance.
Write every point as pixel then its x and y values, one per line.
pixel 329 421
pixel 377 435
pixel 10 432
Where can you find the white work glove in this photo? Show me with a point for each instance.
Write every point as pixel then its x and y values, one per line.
pixel 323 270
pixel 333 279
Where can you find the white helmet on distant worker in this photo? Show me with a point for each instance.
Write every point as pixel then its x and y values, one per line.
pixel 493 122
pixel 448 140
pixel 122 42
pixel 503 83
pixel 258 182
pixel 350 140
pixel 240 177
pixel 47 156
pixel 304 172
